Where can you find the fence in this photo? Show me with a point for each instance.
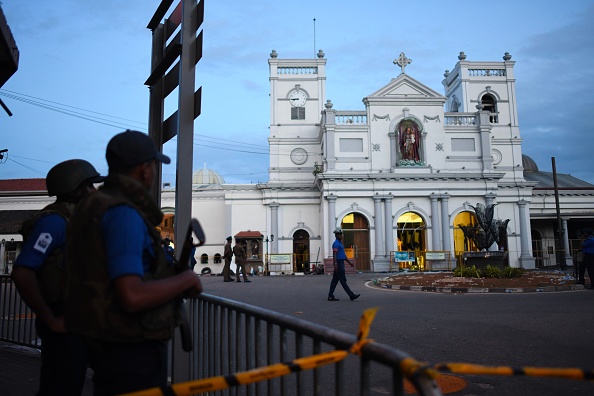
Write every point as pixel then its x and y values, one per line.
pixel 16 318
pixel 421 260
pixel 232 337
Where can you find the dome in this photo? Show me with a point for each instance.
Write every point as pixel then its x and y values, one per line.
pixel 207 176
pixel 528 164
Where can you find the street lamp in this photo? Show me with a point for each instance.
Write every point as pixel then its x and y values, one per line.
pixel 266 263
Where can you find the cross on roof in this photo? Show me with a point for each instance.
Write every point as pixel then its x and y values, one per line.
pixel 402 61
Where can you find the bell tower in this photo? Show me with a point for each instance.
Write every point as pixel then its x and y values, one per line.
pixel 297 96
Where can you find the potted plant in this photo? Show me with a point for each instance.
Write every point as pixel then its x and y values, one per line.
pixel 484 234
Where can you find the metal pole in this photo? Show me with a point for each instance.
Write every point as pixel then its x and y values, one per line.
pixel 561 231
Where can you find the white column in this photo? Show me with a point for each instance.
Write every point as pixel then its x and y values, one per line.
pixel 445 224
pixel 392 136
pixel 2 255
pixel 379 247
pixel 388 225
pixel 523 230
pixel 331 223
pixel 274 226
pixel 436 242
pixel 568 257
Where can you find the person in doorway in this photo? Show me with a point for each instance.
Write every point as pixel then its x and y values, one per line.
pixel 240 259
pixel 339 274
pixel 169 252
pixel 39 277
pixel 121 295
pixel 588 260
pixel 227 255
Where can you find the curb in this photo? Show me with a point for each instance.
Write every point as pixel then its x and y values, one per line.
pixel 475 290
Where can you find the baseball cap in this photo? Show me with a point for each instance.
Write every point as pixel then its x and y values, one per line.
pixel 229 238
pixel 131 148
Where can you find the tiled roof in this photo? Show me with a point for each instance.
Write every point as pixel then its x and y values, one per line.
pixel 16 185
pixel 12 220
pixel 248 234
pixel 546 181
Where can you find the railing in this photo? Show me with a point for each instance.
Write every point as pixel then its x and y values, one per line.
pixel 17 324
pixel 235 337
pixel 298 70
pixel 351 118
pixel 460 120
pixel 486 72
pixel 232 337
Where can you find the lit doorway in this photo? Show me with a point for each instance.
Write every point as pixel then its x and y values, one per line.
pixel 355 239
pixel 301 250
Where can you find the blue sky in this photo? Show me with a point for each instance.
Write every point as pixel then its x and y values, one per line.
pixel 90 59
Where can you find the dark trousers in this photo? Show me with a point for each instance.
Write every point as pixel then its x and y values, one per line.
pixel 240 269
pixel 587 264
pixel 63 363
pixel 339 275
pixel 123 367
pixel 227 269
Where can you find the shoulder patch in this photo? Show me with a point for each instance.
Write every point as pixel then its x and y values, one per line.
pixel 43 242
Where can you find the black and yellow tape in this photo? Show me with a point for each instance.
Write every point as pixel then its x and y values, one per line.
pixel 265 373
pixel 475 369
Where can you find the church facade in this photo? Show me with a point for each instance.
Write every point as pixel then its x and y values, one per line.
pixel 399 177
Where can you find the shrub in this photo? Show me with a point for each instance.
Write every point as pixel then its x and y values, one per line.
pixel 513 272
pixel 467 272
pixel 491 271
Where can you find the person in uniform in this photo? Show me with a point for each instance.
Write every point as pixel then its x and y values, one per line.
pixel 121 295
pixel 588 259
pixel 228 255
pixel 339 274
pixel 240 259
pixel 39 277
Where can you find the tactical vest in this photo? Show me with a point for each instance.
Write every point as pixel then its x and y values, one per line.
pixel 51 274
pixel 92 307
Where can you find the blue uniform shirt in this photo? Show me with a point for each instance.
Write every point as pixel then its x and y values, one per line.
pixel 588 245
pixel 128 244
pixel 339 249
pixel 48 233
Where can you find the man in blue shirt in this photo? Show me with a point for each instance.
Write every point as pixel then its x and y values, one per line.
pixel 588 262
pixel 39 275
pixel 339 274
pixel 121 295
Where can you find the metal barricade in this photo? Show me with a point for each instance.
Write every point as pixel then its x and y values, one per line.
pixel 234 337
pixel 17 321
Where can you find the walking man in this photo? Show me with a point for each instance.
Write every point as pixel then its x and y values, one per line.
pixel 39 277
pixel 227 255
pixel 339 274
pixel 121 295
pixel 240 258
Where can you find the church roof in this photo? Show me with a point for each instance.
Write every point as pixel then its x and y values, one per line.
pixel 545 180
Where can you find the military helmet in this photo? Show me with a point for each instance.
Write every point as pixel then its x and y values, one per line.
pixel 67 176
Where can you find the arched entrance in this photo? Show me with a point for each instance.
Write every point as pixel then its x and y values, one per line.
pixel 411 237
pixel 355 228
pixel 461 242
pixel 301 250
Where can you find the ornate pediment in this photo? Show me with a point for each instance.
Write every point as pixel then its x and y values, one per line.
pixel 405 87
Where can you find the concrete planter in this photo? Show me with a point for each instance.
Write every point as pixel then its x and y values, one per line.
pixel 482 259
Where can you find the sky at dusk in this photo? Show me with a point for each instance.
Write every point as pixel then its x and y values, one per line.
pixel 83 65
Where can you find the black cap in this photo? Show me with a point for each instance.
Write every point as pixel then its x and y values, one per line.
pixel 229 238
pixel 132 148
pixel 338 231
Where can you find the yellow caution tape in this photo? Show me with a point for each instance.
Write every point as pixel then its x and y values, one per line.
pixel 475 369
pixel 268 372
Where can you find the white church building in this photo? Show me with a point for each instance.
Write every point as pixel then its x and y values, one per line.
pixel 399 175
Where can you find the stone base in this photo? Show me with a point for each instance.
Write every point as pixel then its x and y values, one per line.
pixel 381 264
pixel 482 259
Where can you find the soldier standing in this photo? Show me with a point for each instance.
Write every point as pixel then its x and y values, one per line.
pixel 240 258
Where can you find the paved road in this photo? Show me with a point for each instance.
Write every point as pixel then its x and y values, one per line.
pixel 529 329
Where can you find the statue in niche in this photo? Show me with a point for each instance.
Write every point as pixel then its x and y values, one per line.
pixel 408 139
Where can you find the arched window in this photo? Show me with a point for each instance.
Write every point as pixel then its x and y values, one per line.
pixel 490 105
pixel 217 258
pixel 204 258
